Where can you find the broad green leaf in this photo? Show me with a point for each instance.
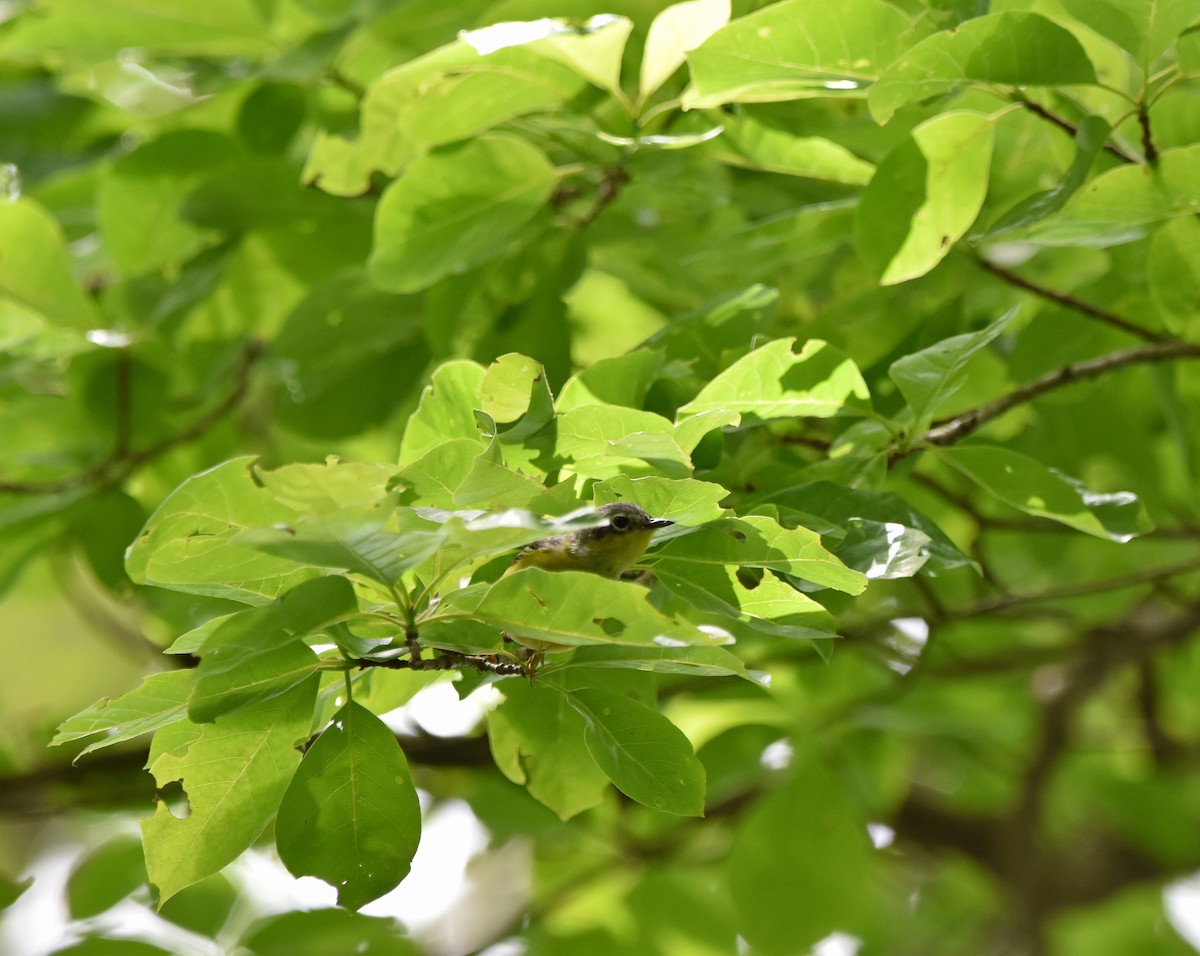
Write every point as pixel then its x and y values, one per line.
pixel 676 31
pixel 1090 138
pixel 1116 206
pixel 106 876
pixel 450 94
pixel 259 653
pixel 363 542
pixel 455 208
pixel 619 380
pixel 685 501
pixel 797 49
pixel 761 542
pixel 1009 48
pixel 350 816
pixel 186 544
pixel 776 382
pixel 321 932
pixel 592 49
pixel 447 410
pixel 645 756
pixel 234 772
pixel 769 607
pixel 35 268
pixel 1037 490
pixel 748 141
pixel 514 390
pixel 436 477
pixel 160 700
pixel 929 377
pixel 328 487
pixel 100 29
pixel 884 549
pixel 601 441
pixel 727 324
pixel 574 607
pixel 787 842
pixel 925 195
pixel 1145 28
pixel 827 501
pixel 691 661
pixel 536 739
pixel 1175 275
pixel 12 890
pixel 140 198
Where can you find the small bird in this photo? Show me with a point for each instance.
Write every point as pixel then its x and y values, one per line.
pixel 607 550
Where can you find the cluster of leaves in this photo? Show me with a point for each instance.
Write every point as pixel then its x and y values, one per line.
pixel 763 269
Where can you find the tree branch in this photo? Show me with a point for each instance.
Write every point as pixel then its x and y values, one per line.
pixel 1148 147
pixel 951 430
pixel 1069 301
pixel 114 469
pixel 1070 128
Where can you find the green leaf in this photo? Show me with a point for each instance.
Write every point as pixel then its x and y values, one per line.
pixel 106 876
pixel 929 377
pixel 12 890
pixel 140 199
pixel 618 380
pixel 160 700
pixel 328 487
pixel 775 382
pixel 446 411
pixel 363 542
pixel 840 505
pixel 788 842
pixel 234 772
pixel 536 739
pixel 1146 28
pixel 673 33
pixel 768 606
pixel 321 932
pixel 186 545
pixel 99 29
pixel 592 49
pixel 259 654
pixel 796 49
pixel 455 208
pixel 350 815
pixel 690 661
pixel 1175 275
pixel 756 144
pixel 1037 490
pixel 574 607
pixel 761 542
pixel 685 501
pixel 35 268
pixel 645 756
pixel 1116 206
pixel 601 441
pixel 1090 138
pixel 925 195
pixel 1010 48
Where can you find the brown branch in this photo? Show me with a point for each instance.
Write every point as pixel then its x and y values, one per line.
pixel 951 430
pixel 1148 147
pixel 1070 128
pixel 1068 301
pixel 114 469
pixel 611 183
pixel 446 661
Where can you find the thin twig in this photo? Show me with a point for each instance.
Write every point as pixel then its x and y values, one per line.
pixel 114 469
pixel 1148 147
pixel 611 184
pixel 1069 301
pixel 951 430
pixel 447 661
pixel 1070 128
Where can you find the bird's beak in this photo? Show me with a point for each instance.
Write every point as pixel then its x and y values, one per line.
pixel 655 523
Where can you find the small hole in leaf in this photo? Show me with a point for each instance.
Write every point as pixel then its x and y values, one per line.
pixel 175 799
pixel 610 625
pixel 749 578
pixel 739 535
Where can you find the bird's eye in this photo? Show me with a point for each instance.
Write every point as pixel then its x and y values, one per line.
pixel 620 522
